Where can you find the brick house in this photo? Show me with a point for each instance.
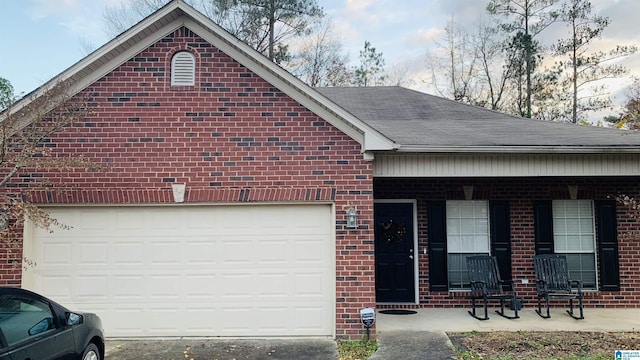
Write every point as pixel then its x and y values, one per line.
pixel 224 207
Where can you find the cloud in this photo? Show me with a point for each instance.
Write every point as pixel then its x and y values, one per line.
pixel 80 18
pixel 86 28
pixel 347 29
pixel 622 14
pixel 357 5
pixel 45 8
pixel 462 11
pixel 424 37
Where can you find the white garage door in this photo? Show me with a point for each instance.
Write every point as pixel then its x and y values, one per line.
pixel 192 270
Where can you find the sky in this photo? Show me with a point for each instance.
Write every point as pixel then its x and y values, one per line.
pixel 41 38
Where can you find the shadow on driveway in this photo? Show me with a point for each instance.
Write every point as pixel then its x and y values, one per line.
pixel 212 349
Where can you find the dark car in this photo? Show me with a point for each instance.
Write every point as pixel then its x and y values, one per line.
pixel 34 327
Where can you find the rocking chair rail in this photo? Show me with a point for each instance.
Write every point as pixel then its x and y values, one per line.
pixel 486 285
pixel 552 281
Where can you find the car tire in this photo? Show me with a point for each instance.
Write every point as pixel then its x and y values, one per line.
pixel 91 352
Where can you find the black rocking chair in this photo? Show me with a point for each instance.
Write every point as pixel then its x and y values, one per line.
pixel 487 285
pixel 552 281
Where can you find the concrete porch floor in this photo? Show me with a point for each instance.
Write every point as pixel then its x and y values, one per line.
pixel 458 320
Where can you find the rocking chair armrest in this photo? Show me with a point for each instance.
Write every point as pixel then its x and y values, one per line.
pixel 578 284
pixel 511 283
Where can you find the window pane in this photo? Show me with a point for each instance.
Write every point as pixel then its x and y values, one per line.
pixel 582 267
pixel 467 226
pixel 481 244
pixel 453 226
pixel 574 236
pixel 468 243
pixel 467 235
pixel 454 244
pixel 572 229
pixel 572 226
pixel 586 226
pixel 458 275
pixel 482 226
pixel 21 319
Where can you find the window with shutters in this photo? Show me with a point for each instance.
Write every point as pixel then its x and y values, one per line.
pixel 183 69
pixel 467 235
pixel 574 236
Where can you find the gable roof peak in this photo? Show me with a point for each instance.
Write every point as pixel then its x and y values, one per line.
pixel 178 13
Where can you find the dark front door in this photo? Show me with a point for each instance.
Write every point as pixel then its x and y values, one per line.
pixel 394 252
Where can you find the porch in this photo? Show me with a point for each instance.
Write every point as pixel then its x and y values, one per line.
pixel 458 320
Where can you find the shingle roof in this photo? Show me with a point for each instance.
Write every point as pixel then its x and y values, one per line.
pixel 415 119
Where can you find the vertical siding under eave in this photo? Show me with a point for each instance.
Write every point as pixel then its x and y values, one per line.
pixel 430 165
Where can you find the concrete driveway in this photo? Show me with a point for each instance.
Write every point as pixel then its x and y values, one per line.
pixel 212 349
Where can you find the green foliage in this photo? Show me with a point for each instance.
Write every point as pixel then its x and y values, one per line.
pixel 319 59
pixel 6 93
pixel 266 25
pixel 582 69
pixel 370 72
pixel 523 21
pixel 629 118
pixel 356 350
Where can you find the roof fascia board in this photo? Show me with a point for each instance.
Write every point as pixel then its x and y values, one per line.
pixel 520 149
pixel 124 56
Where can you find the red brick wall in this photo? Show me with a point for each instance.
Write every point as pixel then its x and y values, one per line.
pixel 521 192
pixel 231 138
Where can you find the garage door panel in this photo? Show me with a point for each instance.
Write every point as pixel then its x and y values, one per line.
pixel 56 253
pixel 310 252
pixel 193 271
pixel 126 254
pixel 164 254
pixel 92 253
pixel 200 252
pixel 91 287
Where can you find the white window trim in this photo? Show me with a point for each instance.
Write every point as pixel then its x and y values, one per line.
pixel 594 244
pixel 448 231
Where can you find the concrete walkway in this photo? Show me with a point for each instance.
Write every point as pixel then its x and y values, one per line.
pixel 221 349
pixel 418 336
pixel 458 320
pixel 414 345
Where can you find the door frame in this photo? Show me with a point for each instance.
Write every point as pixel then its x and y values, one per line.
pixel 416 255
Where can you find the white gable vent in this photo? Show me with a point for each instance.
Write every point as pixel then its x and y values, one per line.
pixel 183 69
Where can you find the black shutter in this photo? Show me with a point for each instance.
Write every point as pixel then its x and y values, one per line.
pixel 608 245
pixel 501 236
pixel 437 233
pixel 543 227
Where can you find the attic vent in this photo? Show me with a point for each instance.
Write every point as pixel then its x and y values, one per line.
pixel 183 69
